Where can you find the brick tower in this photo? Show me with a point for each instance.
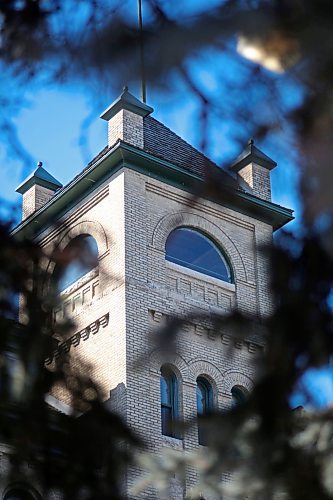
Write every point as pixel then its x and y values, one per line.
pixel 161 254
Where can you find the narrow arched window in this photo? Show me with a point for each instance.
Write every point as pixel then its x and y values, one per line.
pixel 204 393
pixel 239 395
pixel 190 248
pixel 78 258
pixel 169 402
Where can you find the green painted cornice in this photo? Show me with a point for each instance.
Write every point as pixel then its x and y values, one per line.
pixel 123 155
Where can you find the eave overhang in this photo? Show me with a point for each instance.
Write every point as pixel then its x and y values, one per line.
pixel 123 155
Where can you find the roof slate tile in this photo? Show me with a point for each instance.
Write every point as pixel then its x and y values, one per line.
pixel 160 141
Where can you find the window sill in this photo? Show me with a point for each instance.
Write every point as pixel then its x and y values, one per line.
pixel 172 442
pixel 201 276
pixel 79 283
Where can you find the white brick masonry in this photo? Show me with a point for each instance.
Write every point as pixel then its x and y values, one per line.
pixel 256 179
pixel 131 216
pixel 126 126
pixel 34 198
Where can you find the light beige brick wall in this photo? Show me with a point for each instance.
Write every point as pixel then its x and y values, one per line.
pixel 131 216
pixel 157 289
pixel 35 198
pixel 257 180
pixel 100 293
pixel 126 126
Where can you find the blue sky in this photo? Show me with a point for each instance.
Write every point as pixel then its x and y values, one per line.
pixel 60 126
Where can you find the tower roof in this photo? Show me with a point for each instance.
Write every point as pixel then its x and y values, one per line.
pixel 128 101
pixel 252 154
pixel 165 156
pixel 164 143
pixel 41 177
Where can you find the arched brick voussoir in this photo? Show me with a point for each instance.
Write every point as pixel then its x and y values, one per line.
pixel 93 228
pixel 157 359
pixel 171 221
pixel 201 367
pixel 233 377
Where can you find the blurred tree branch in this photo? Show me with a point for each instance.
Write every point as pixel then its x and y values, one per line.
pixel 270 449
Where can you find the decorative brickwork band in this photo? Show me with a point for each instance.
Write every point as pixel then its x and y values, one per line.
pixel 212 334
pixel 75 339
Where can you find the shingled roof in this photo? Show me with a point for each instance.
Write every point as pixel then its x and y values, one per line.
pixel 163 143
pixel 160 141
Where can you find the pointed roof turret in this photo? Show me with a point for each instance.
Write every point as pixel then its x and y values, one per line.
pixel 252 154
pixel 41 177
pixel 128 101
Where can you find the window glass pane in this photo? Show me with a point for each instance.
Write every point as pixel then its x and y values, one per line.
pixel 82 255
pixel 169 401
pixel 201 399
pixel 239 395
pixel 166 419
pixel 192 249
pixel 165 391
pixel 204 405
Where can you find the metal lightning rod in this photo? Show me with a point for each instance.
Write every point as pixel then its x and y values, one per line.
pixel 142 59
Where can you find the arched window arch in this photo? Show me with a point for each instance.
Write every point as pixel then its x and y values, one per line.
pixel 205 404
pixel 169 401
pixel 191 248
pixel 239 395
pixel 21 493
pixel 79 257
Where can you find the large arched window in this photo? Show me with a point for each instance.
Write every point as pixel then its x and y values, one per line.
pixel 192 249
pixel 239 395
pixel 205 403
pixel 169 401
pixel 79 257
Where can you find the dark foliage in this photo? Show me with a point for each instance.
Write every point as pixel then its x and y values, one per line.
pixel 81 454
pixel 273 449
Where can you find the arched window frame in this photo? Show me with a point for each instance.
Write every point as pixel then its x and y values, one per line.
pixel 239 394
pixel 205 389
pixel 169 399
pixel 25 490
pixel 224 257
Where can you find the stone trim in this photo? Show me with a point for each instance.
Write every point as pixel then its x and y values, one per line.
pixel 172 442
pixel 79 283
